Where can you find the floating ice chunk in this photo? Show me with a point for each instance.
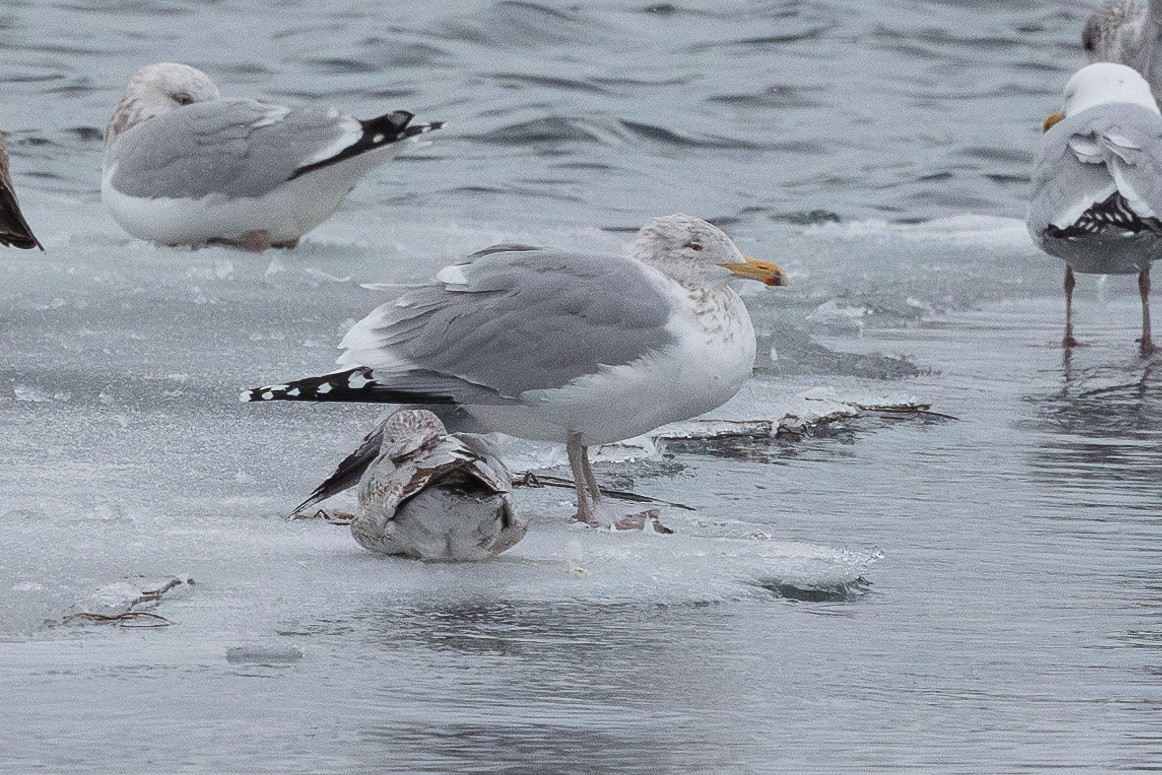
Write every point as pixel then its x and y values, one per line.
pixel 32 394
pixel 274 654
pixel 111 600
pixel 318 277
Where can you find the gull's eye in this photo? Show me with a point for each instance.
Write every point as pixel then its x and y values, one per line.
pixel 695 246
pixel 183 98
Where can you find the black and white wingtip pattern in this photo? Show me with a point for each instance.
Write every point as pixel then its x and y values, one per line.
pixel 14 230
pixel 353 385
pixel 1112 214
pixel 377 132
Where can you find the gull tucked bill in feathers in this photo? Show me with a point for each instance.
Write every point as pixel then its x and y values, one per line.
pixel 1097 183
pixel 185 167
pixel 429 495
pixel 579 348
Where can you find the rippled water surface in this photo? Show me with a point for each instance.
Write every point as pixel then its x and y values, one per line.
pixel 971 589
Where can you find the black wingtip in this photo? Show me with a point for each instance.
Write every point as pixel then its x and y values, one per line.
pixel 349 471
pixel 14 229
pixel 377 132
pixel 353 386
pixel 395 126
pixel 22 241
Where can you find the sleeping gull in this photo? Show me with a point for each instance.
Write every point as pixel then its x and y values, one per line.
pixel 14 230
pixel 1097 183
pixel 553 345
pixel 1128 32
pixel 429 495
pixel 186 167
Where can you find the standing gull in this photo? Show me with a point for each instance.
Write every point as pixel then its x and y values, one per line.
pixel 429 495
pixel 185 167
pixel 14 230
pixel 552 345
pixel 1097 183
pixel 1128 32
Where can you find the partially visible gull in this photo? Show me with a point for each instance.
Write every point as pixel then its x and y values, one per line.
pixel 1128 32
pixel 429 495
pixel 185 167
pixel 574 347
pixel 14 230
pixel 1097 183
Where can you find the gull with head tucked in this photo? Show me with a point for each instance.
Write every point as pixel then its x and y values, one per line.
pixel 184 166
pixel 574 347
pixel 427 494
pixel 1097 183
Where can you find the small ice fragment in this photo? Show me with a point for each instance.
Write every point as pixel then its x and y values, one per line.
pixel 32 394
pixel 112 600
pixel 263 655
pixel 275 267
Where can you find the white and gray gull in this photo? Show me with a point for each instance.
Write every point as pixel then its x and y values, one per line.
pixel 14 230
pixel 1097 183
pixel 428 494
pixel 183 166
pixel 573 347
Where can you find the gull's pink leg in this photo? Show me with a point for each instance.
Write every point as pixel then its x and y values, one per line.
pixel 590 476
pixel 1147 344
pixel 579 461
pixel 1068 340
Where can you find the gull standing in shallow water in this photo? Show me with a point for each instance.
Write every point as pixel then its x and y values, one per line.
pixel 14 230
pixel 429 495
pixel 1097 183
pixel 553 345
pixel 186 167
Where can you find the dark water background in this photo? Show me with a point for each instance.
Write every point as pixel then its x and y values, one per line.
pixel 878 150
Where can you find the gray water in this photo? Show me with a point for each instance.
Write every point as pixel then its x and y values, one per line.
pixel 970 591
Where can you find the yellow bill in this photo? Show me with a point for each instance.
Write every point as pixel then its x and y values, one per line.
pixel 1050 120
pixel 763 271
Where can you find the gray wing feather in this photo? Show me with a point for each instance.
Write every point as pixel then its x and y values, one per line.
pixel 1083 158
pixel 487 466
pixel 351 468
pixel 525 319
pixel 433 461
pixel 227 147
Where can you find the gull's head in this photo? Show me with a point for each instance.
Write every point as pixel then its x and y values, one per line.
pixel 690 250
pixel 157 89
pixel 406 430
pixel 1104 83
